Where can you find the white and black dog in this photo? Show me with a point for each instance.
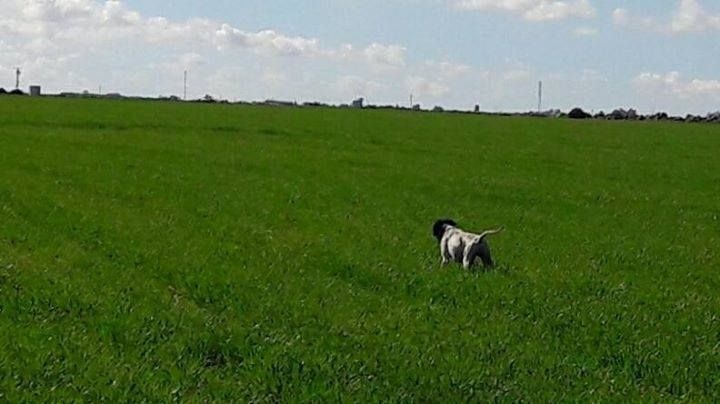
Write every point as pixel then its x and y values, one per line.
pixel 460 246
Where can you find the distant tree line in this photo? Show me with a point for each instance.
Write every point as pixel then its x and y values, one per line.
pixel 619 114
pixel 632 115
pixel 16 91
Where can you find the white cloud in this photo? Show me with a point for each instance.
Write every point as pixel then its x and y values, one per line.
pixel 385 56
pixel 689 16
pixel 533 10
pixel 673 84
pixel 623 18
pixel 53 41
pixel 46 24
pixel 268 41
pixel 58 10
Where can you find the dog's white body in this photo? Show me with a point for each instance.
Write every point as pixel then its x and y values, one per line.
pixel 461 246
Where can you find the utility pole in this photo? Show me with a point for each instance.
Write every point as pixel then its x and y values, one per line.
pixel 540 94
pixel 185 86
pixel 411 100
pixel 17 78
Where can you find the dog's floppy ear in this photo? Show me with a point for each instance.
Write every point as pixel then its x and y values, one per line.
pixel 439 227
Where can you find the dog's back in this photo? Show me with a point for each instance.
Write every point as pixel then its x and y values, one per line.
pixel 462 246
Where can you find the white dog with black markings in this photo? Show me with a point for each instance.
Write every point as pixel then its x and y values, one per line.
pixel 461 246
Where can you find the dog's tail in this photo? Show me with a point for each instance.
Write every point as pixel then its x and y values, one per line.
pixel 490 233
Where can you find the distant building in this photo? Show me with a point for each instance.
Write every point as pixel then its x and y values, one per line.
pixel 277 103
pixel 358 103
pixel 35 91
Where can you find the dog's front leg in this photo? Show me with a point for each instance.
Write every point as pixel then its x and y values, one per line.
pixel 444 254
pixel 444 260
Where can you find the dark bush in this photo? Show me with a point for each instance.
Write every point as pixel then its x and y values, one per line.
pixel 621 115
pixel 660 116
pixel 713 117
pixel 578 113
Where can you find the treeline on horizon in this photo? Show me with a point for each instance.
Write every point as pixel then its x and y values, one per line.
pixel 619 114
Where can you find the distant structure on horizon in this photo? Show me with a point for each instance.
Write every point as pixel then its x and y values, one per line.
pixel 35 91
pixel 279 103
pixel 540 95
pixel 358 103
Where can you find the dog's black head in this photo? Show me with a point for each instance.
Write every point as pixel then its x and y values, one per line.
pixel 439 227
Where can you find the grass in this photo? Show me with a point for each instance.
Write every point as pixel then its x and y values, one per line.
pixel 160 251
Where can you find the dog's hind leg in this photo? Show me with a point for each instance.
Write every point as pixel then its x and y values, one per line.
pixel 469 257
pixel 483 252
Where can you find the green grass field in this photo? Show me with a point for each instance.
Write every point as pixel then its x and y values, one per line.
pixel 158 251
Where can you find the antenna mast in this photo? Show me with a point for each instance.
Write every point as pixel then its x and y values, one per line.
pixel 540 95
pixel 185 86
pixel 17 78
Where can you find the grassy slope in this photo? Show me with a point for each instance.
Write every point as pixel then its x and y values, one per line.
pixel 158 250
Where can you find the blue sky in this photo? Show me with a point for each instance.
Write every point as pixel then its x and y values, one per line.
pixel 652 55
